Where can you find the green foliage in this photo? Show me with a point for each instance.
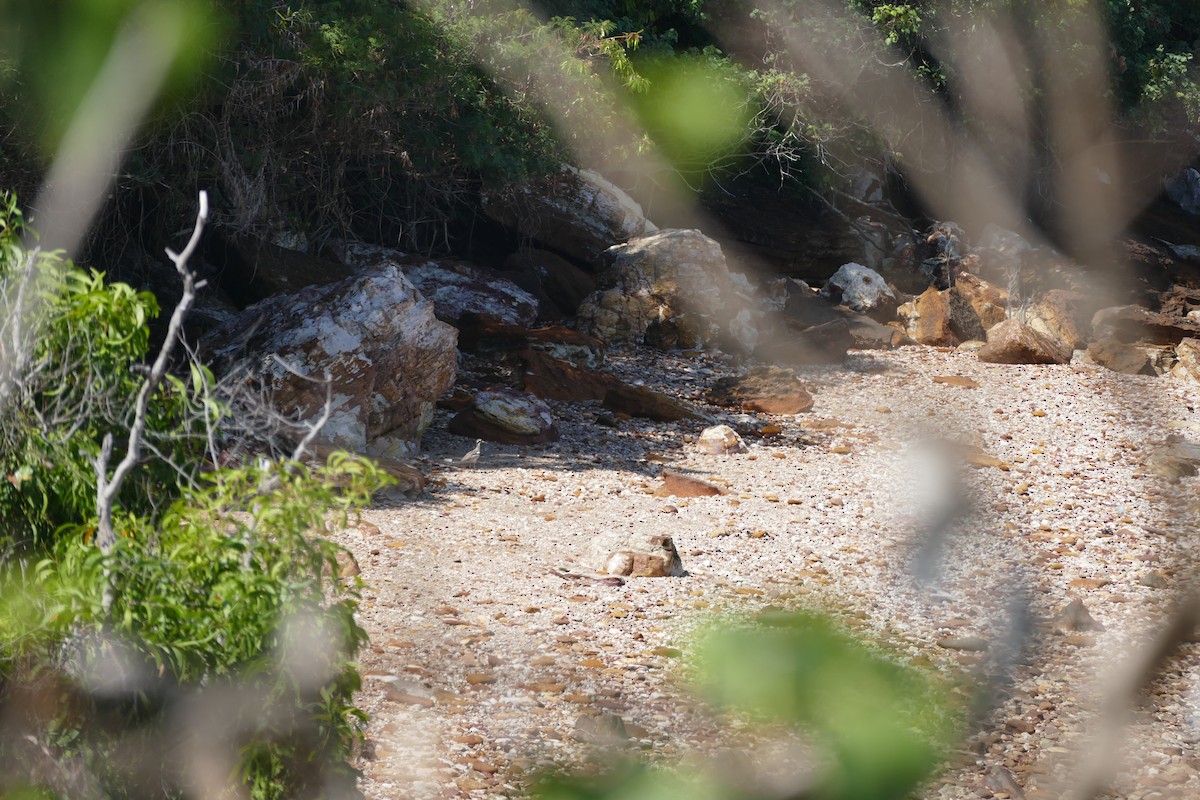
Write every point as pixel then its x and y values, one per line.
pixel 57 47
pixel 697 108
pixel 220 584
pixel 79 386
pixel 885 727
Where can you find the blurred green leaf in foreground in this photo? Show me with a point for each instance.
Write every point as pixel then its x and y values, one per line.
pixel 879 728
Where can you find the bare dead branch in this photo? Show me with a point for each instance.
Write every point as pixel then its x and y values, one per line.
pixel 108 487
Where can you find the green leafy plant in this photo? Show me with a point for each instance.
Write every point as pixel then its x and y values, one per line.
pixel 883 727
pixel 86 337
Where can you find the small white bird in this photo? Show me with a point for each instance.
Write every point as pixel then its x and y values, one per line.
pixel 473 455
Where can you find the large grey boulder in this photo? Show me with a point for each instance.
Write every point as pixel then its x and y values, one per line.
pixel 861 289
pixel 578 212
pixel 386 358
pixel 676 278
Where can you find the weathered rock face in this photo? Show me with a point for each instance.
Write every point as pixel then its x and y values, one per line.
pixel 975 306
pixel 387 357
pixel 926 319
pixel 578 213
pixel 1120 357
pixel 861 289
pixel 1063 315
pixel 1014 342
pixel 766 390
pixel 506 416
pixel 1137 324
pixel 1188 365
pixel 678 276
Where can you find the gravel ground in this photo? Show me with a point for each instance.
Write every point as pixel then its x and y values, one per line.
pixel 482 662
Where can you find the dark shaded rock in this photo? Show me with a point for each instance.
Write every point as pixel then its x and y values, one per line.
pixel 554 379
pixel 765 389
pixel 1120 357
pixel 494 339
pixel 372 335
pixel 577 212
pixel 505 416
pixel 1133 323
pixel 1014 342
pixel 820 344
pixel 258 270
pixel 641 401
pixel 561 281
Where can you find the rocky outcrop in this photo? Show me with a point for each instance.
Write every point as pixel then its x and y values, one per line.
pixel 578 213
pixel 1014 342
pixel 505 416
pixel 386 358
pixel 671 277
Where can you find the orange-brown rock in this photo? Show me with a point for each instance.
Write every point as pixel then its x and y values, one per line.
pixel 554 379
pixel 1063 315
pixel 927 319
pixel 1120 357
pixel 676 484
pixel 975 305
pixel 641 401
pixel 764 389
pixel 1014 342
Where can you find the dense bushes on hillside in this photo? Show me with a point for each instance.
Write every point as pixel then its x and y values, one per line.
pixel 383 118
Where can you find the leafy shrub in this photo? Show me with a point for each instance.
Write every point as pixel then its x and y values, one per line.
pixel 85 337
pixel 214 631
